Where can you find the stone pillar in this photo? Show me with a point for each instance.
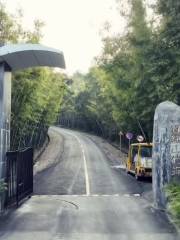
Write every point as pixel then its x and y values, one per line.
pixel 5 114
pixel 166 149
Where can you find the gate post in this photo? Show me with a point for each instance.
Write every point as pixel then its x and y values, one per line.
pixel 15 57
pixel 166 149
pixel 5 114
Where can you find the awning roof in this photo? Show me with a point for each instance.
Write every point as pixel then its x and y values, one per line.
pixel 19 56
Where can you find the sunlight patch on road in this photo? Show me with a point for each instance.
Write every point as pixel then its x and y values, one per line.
pixel 118 167
pixel 136 195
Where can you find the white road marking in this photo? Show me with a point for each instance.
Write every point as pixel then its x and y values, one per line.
pixel 137 195
pixel 85 165
pixel 126 195
pixel 118 167
pixel 85 169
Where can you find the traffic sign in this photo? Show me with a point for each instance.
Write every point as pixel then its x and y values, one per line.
pixel 140 138
pixel 129 135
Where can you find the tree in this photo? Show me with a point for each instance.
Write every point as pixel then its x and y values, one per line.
pixel 36 93
pixel 136 71
pixel 169 43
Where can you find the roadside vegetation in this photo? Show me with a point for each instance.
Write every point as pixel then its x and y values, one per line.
pixel 3 187
pixel 135 71
pixel 36 93
pixel 173 195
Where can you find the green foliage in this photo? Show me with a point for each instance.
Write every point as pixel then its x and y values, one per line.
pixel 3 186
pixel 173 195
pixel 135 72
pixel 36 93
pixel 36 99
pixel 169 42
pixel 10 28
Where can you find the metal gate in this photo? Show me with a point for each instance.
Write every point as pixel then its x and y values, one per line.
pixel 19 176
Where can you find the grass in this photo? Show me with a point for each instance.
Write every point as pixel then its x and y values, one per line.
pixel 3 186
pixel 173 195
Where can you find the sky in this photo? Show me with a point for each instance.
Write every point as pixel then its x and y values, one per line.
pixel 72 26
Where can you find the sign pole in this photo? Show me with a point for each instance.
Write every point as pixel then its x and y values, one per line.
pixel 120 142
pixel 129 136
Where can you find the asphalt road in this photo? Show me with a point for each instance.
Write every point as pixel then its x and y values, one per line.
pixel 84 196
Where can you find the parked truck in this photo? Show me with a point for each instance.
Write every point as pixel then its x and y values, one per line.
pixel 139 161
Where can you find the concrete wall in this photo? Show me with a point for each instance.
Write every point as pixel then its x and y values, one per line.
pixel 166 150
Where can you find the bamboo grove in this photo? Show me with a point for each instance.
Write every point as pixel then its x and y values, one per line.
pixel 36 93
pixel 136 71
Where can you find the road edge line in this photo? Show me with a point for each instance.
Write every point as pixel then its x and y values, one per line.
pixel 85 164
pixel 85 167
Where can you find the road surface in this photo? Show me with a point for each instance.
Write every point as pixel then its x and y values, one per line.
pixel 83 196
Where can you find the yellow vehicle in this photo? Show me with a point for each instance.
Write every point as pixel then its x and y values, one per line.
pixel 139 161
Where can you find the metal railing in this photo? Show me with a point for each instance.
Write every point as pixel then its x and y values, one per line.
pixel 19 176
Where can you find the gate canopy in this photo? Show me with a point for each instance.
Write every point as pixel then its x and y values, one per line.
pixel 20 56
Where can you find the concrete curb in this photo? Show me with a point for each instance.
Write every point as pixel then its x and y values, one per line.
pixel 38 155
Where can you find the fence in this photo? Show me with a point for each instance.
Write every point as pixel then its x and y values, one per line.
pixel 32 135
pixel 19 176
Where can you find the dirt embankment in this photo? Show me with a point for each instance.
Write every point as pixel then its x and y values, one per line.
pixel 53 152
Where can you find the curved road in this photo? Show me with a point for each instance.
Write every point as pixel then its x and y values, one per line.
pixel 83 197
pixel 84 169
